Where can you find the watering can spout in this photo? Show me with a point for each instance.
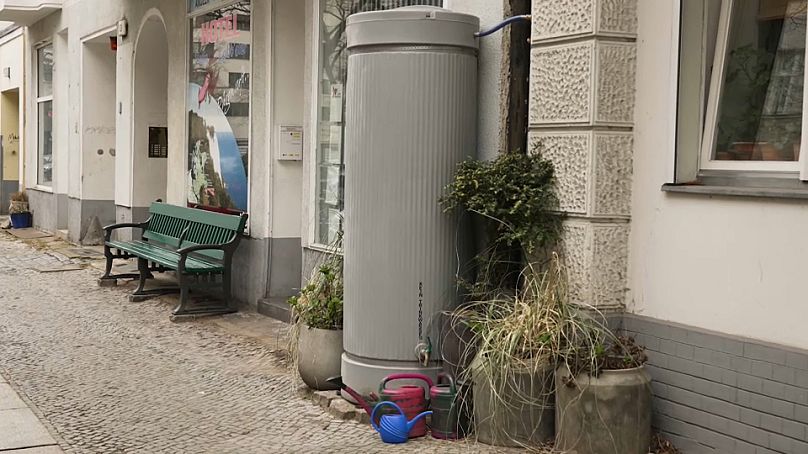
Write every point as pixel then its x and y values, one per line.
pixel 414 420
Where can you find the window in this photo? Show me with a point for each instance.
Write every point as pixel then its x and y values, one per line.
pixel 331 76
pixel 741 79
pixel 44 106
pixel 219 105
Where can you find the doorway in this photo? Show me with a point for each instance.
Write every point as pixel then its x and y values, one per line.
pixel 150 117
pixel 9 146
pixel 98 114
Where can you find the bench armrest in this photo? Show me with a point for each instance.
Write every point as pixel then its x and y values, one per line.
pixel 109 228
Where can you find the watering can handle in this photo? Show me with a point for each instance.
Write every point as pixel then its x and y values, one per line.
pixel 449 379
pixel 392 377
pixel 378 406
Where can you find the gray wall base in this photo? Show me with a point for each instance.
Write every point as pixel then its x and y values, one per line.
pixel 44 209
pixel 6 188
pixel 81 212
pixel 286 262
pixel 716 393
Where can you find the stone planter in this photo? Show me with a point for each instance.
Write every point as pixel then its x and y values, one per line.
pixel 318 356
pixel 521 415
pixel 605 414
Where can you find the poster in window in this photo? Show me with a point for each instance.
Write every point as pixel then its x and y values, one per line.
pixel 219 108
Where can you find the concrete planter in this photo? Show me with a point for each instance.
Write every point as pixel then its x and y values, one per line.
pixel 319 356
pixel 521 415
pixel 605 414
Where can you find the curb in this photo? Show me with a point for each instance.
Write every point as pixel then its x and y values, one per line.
pixel 334 404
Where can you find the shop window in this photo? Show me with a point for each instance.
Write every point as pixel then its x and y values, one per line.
pixel 741 79
pixel 219 105
pixel 331 77
pixel 44 106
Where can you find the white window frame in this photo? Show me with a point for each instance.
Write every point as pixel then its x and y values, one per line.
pixel 38 101
pixel 190 15
pixel 716 87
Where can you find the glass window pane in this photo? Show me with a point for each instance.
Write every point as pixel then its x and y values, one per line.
pixel 331 107
pixel 219 108
pixel 760 109
pixel 44 58
pixel 45 142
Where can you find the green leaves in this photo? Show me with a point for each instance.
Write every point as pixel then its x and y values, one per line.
pixel 515 192
pixel 320 302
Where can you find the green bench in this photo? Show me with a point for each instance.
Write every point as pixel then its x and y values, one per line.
pixel 198 245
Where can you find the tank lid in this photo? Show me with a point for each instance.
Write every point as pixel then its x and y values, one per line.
pixel 412 25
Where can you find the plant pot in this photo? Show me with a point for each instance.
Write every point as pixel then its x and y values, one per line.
pixel 319 356
pixel 20 220
pixel 769 152
pixel 457 347
pixel 605 414
pixel 518 414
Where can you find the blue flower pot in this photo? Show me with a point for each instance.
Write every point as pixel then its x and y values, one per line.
pixel 20 220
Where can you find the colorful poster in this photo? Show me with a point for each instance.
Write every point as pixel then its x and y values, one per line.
pixel 218 109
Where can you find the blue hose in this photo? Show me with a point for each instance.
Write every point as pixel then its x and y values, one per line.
pixel 507 21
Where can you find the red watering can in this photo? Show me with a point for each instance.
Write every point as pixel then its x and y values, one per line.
pixel 411 399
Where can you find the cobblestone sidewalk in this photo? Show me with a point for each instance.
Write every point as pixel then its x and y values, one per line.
pixel 108 375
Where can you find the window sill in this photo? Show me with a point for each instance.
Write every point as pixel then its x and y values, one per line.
pixel 41 188
pixel 738 191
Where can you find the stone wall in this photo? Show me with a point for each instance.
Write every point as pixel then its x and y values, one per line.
pixel 582 85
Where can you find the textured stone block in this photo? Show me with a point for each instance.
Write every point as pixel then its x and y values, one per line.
pixel 616 64
pixel 561 83
pixel 558 19
pixel 590 83
pixel 596 262
pixel 612 174
pixel 570 154
pixel 609 264
pixel 562 18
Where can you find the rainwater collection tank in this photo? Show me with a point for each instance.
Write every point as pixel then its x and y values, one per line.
pixel 411 118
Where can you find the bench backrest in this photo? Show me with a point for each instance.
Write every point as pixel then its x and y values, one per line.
pixel 182 227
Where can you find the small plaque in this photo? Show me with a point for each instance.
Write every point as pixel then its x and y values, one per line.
pixel 290 146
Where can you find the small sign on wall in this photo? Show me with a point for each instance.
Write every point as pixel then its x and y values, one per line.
pixel 290 143
pixel 158 142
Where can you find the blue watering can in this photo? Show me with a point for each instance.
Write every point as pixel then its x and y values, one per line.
pixel 394 428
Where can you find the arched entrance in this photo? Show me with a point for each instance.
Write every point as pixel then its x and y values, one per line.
pixel 150 117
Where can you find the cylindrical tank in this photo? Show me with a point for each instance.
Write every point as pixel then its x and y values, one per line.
pixel 411 118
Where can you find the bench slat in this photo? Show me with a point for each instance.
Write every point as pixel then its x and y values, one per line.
pixel 165 257
pixel 226 221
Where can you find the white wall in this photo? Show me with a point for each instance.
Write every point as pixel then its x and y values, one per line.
pixel 287 66
pixel 150 109
pixel 98 122
pixel 734 265
pixel 489 77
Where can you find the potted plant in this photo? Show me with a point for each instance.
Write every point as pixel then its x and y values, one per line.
pixel 316 331
pixel 603 398
pixel 501 329
pixel 18 210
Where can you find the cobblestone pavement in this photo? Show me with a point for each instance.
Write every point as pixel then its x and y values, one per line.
pixel 108 375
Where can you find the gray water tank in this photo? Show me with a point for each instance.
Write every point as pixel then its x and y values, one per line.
pixel 411 118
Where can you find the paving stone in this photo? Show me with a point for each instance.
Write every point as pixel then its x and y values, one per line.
pixel 20 428
pixel 9 400
pixel 113 376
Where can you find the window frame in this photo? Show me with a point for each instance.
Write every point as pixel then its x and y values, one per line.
pixel 38 102
pixel 312 152
pixel 698 165
pixel 190 14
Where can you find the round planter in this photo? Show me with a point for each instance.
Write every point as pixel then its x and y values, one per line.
pixel 605 414
pixel 457 347
pixel 521 414
pixel 318 356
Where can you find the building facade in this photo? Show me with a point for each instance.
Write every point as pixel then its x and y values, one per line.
pixel 11 80
pixel 674 126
